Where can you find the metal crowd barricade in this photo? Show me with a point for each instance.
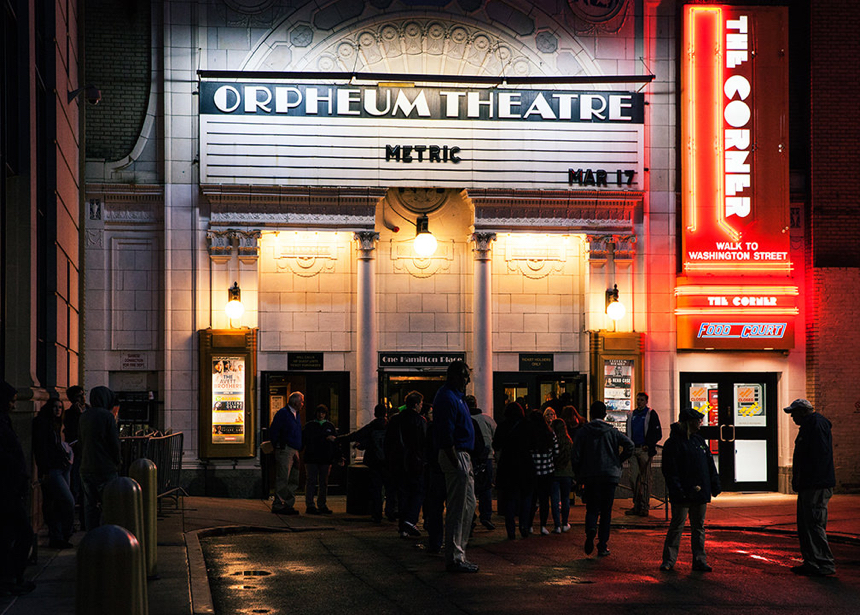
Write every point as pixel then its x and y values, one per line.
pixel 163 450
pixel 658 483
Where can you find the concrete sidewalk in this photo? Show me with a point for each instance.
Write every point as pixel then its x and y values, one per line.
pixel 182 587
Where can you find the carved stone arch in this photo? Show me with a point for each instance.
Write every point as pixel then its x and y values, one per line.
pixel 430 43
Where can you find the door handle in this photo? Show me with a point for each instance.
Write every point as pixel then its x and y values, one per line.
pixel 732 439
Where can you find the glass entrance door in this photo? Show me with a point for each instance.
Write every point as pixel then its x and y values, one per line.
pixel 740 425
pixel 535 389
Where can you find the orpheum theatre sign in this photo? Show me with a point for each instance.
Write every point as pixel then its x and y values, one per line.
pixel 736 290
pixel 368 136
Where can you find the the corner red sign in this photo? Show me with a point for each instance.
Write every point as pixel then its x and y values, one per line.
pixel 735 189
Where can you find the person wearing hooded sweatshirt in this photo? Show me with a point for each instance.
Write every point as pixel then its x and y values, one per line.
pixel 691 480
pixel 54 461
pixel 598 452
pixel 16 534
pixel 100 451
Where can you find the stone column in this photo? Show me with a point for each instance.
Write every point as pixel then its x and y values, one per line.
pixel 367 333
pixel 482 322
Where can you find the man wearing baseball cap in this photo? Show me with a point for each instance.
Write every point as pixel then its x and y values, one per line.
pixel 813 478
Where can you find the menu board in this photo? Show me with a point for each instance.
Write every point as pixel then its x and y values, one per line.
pixel 228 400
pixel 618 384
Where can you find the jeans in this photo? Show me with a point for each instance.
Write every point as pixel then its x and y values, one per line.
pixel 599 498
pixel 560 499
pixel 94 485
pixel 513 504
pixel 676 527
pixel 543 486
pixel 317 479
pixel 58 505
pixel 410 493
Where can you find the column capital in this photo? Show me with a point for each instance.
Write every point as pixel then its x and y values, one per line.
pixel 482 241
pixel 366 243
pixel 249 244
pixel 220 245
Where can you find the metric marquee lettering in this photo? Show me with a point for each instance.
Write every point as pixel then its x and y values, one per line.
pixel 420 153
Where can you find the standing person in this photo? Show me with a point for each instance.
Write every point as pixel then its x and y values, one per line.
pixel 321 453
pixel 813 478
pixel 455 435
pixel 16 534
pixel 371 439
pixel 286 436
pixel 405 450
pixel 434 490
pixel 562 478
pixel 484 468
pixel 53 460
pixel 643 427
pixel 71 433
pixel 516 475
pixel 100 448
pixel 543 446
pixel 598 452
pixel 691 480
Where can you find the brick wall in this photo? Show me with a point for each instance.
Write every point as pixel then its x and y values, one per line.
pixel 117 48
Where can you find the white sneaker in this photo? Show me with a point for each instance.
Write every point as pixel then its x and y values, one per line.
pixel 557 530
pixel 544 531
pixel 565 527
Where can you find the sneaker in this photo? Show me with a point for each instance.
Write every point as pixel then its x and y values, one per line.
pixel 565 527
pixel 810 571
pixel 284 510
pixel 312 510
pixel 589 541
pixel 325 510
pixel 666 567
pixel 404 535
pixel 557 530
pixel 602 551
pixel 411 530
pixel 702 567
pixel 632 512
pixel 488 524
pixel 644 513
pixel 544 531
pixel 461 566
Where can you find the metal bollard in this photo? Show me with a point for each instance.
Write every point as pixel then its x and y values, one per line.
pixel 110 576
pixel 146 475
pixel 122 505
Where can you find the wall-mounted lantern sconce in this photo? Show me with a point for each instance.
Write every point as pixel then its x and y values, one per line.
pixel 614 308
pixel 90 92
pixel 234 308
pixel 425 243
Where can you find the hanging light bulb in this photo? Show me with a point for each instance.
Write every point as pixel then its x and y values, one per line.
pixel 425 243
pixel 234 308
pixel 614 308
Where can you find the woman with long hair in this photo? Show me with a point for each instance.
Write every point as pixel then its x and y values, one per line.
pixel 514 470
pixel 543 446
pixel 562 478
pixel 54 462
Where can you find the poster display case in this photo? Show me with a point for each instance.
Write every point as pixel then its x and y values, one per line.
pixel 616 373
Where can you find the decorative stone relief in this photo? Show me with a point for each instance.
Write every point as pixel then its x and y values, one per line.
pixel 404 259
pixel 483 245
pixel 420 200
pixel 624 248
pixel 598 249
pixel 249 245
pixel 95 238
pixel 94 208
pixel 605 16
pixel 305 258
pixel 220 245
pixel 535 261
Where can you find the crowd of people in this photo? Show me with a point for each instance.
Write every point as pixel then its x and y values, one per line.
pixel 446 458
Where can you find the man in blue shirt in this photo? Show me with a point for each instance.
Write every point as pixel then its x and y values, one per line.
pixel 643 427
pixel 286 436
pixel 455 436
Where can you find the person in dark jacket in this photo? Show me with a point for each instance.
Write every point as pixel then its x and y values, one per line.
pixel 813 478
pixel 643 427
pixel 71 433
pixel 16 534
pixel 405 450
pixel 691 480
pixel 285 434
pixel 54 462
pixel 321 452
pixel 100 449
pixel 515 474
pixel 598 452
pixel 371 439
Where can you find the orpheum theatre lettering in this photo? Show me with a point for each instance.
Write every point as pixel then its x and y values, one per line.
pixel 736 291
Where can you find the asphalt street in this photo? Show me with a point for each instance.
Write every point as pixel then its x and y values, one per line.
pixel 359 568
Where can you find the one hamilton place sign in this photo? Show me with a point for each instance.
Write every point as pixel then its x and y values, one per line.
pixel 304 134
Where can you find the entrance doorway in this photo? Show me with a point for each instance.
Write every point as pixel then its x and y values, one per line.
pixel 536 387
pixel 319 387
pixel 740 425
pixel 395 386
